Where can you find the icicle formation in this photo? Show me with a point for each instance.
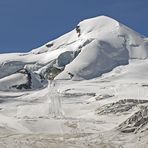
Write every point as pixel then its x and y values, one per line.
pixel 55 108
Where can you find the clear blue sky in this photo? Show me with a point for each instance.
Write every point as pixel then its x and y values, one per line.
pixel 27 24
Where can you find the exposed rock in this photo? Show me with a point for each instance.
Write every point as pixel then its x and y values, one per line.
pixel 71 75
pixel 33 81
pixel 69 94
pixel 144 85
pixel 78 30
pixel 49 45
pixel 26 85
pixel 120 106
pixel 56 66
pixel 53 72
pixel 136 122
pixel 88 41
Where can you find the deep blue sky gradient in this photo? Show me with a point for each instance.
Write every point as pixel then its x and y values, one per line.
pixel 27 24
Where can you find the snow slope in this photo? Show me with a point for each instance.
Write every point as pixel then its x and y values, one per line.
pixel 108 110
pixel 96 46
pixel 112 44
pixel 96 112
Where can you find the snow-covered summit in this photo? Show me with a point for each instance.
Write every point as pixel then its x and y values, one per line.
pixel 74 113
pixel 94 47
pixel 105 44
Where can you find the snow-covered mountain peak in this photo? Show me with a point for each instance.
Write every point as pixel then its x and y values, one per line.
pixel 88 28
pixel 108 44
pixel 95 46
pixel 100 28
pixel 35 112
pixel 98 24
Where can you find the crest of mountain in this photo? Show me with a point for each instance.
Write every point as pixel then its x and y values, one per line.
pixel 94 47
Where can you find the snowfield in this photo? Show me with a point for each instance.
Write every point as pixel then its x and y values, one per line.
pixel 98 97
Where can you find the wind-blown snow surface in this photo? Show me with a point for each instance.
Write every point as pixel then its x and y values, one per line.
pixel 108 108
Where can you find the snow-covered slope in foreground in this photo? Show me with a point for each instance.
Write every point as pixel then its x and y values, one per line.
pixel 94 47
pixel 109 111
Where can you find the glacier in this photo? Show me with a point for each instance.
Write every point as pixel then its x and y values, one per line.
pixel 87 88
pixel 101 44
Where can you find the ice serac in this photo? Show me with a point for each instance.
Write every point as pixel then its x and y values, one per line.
pixel 112 44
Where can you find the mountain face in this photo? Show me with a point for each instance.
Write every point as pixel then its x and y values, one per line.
pixel 108 109
pixel 94 47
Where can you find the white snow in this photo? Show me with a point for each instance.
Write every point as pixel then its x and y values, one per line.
pixel 113 65
pixel 104 44
pixel 113 45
